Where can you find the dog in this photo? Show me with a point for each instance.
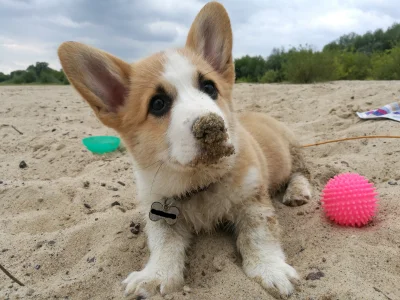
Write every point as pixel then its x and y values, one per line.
pixel 196 161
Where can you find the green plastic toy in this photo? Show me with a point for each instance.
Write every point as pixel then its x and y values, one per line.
pixel 101 144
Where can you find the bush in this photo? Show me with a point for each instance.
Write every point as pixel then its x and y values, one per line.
pixel 250 68
pixel 244 80
pixel 306 66
pixel 270 76
pixel 65 81
pixel 46 78
pixel 29 77
pixel 386 66
pixel 16 73
pixel 61 77
pixel 353 66
pixel 18 80
pixel 4 77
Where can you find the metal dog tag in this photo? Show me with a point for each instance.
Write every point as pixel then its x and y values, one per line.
pixel 159 211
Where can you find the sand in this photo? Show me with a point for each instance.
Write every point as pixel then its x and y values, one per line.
pixel 64 219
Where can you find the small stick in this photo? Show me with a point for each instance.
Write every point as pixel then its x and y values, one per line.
pixel 379 291
pixel 354 138
pixel 16 129
pixel 12 277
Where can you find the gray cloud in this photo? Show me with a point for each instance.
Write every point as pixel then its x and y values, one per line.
pixel 31 30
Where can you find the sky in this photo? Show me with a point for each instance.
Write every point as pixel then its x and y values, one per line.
pixel 32 30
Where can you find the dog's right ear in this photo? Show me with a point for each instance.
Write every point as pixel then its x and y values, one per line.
pixel 101 78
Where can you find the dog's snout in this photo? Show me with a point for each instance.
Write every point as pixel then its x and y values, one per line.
pixel 210 129
pixel 212 136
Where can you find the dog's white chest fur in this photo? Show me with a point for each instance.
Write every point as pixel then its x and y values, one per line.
pixel 205 210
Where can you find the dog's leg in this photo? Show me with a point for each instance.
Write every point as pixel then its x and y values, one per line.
pixel 298 191
pixel 165 268
pixel 258 243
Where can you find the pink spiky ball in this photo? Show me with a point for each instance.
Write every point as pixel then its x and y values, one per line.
pixel 349 199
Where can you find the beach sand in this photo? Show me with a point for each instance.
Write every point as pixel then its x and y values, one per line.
pixel 65 218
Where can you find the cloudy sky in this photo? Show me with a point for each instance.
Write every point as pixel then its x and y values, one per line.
pixel 31 30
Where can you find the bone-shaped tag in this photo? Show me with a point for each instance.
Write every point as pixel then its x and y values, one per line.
pixel 159 211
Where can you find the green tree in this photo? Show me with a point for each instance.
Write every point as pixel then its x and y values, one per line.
pixel 28 77
pixel 304 65
pixel 352 66
pixel 45 78
pixel 250 68
pixel 40 67
pixel 270 76
pixel 4 77
pixel 386 65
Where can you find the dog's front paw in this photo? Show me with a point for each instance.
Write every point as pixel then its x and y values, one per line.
pixel 277 277
pixel 296 198
pixel 298 191
pixel 150 281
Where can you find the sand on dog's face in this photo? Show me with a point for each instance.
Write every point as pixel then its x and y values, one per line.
pixel 62 237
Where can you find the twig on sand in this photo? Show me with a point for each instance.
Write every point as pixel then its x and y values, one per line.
pixel 12 277
pixel 13 127
pixel 379 291
pixel 16 129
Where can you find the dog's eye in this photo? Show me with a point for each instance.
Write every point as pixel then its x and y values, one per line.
pixel 159 105
pixel 209 88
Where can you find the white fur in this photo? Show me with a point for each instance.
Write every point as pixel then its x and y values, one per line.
pixel 166 264
pixel 263 257
pixel 271 269
pixel 189 105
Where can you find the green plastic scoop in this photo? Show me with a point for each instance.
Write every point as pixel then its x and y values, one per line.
pixel 101 144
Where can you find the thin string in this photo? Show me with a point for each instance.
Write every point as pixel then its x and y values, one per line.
pixel 353 138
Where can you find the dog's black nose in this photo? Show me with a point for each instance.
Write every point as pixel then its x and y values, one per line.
pixel 210 129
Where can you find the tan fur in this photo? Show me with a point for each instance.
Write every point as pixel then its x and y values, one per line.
pixel 73 57
pixel 213 20
pixel 274 141
pixel 266 157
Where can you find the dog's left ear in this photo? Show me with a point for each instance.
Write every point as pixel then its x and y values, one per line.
pixel 211 36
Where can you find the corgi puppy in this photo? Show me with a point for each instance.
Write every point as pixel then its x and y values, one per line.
pixel 197 162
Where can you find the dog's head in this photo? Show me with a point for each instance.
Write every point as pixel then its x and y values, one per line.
pixel 174 106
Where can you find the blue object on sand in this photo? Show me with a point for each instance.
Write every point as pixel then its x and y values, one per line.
pixel 101 144
pixel 389 111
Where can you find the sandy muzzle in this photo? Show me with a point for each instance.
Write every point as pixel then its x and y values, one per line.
pixel 212 136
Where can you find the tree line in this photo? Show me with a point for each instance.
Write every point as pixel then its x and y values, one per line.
pixel 370 56
pixel 39 73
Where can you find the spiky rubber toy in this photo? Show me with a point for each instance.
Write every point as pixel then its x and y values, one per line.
pixel 349 199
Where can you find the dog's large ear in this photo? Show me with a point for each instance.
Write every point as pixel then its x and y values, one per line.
pixel 211 36
pixel 100 78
